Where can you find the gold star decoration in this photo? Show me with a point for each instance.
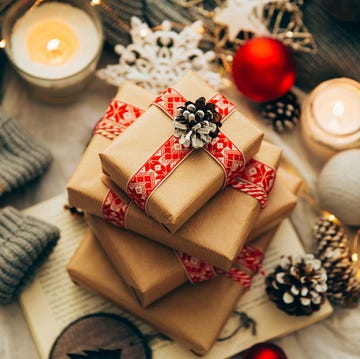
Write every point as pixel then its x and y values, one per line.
pixel 284 19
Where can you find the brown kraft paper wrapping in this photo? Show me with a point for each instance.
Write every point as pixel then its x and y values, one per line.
pixel 148 268
pixel 84 188
pixel 218 231
pixel 86 191
pixel 197 178
pixel 173 315
pixel 205 235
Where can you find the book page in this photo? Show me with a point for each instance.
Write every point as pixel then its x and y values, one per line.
pixel 52 301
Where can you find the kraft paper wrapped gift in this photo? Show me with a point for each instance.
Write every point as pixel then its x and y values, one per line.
pixel 169 191
pixel 150 269
pixel 194 315
pixel 130 252
pixel 205 236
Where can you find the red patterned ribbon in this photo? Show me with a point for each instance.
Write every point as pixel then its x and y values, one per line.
pixel 237 275
pixel 257 180
pixel 155 170
pixel 166 158
pixel 197 271
pixel 114 209
pixel 251 258
pixel 118 116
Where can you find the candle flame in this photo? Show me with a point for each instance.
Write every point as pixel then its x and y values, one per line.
pixel 338 109
pixel 53 45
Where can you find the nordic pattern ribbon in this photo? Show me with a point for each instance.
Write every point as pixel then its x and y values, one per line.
pixel 166 158
pixel 251 258
pixel 118 116
pixel 257 180
pixel 114 209
pixel 198 271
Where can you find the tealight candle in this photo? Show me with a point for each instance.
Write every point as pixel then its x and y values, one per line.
pixel 331 117
pixel 55 46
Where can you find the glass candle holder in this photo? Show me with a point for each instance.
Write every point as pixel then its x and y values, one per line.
pixel 53 45
pixel 330 120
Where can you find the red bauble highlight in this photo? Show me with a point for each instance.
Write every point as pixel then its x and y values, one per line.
pixel 265 351
pixel 264 69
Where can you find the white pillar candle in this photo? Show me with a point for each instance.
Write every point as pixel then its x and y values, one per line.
pixel 331 117
pixel 337 109
pixel 55 41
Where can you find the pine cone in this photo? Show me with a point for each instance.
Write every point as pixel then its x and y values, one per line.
pixel 282 113
pixel 197 123
pixel 297 286
pixel 334 253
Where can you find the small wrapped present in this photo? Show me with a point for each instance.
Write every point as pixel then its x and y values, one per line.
pixel 174 158
pixel 205 236
pixel 173 315
pixel 152 270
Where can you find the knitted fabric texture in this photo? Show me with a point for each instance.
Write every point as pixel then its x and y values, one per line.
pixel 21 158
pixel 338 48
pixel 25 242
pixel 116 21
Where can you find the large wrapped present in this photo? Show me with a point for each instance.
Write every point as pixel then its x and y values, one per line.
pixel 152 270
pixel 205 236
pixel 174 158
pixel 194 315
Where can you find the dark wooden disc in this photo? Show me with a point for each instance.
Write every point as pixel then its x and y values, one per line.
pixel 100 336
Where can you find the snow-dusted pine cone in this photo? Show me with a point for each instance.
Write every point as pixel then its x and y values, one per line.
pixel 282 113
pixel 297 285
pixel 197 123
pixel 333 250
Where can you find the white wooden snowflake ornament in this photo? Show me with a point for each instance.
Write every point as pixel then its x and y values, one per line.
pixel 158 58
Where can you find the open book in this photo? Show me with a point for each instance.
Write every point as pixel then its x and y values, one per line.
pixel 52 301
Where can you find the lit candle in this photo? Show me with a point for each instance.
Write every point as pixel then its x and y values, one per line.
pixel 55 46
pixel 331 117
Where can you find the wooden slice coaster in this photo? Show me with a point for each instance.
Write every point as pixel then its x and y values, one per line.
pixel 100 336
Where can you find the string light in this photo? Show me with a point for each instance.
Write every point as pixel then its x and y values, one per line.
pixel 355 256
pixel 95 2
pixel 2 43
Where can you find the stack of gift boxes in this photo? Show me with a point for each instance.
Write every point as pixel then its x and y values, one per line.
pixel 176 233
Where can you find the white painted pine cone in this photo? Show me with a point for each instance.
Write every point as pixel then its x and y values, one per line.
pixel 339 186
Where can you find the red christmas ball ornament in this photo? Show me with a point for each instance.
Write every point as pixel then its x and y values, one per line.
pixel 265 351
pixel 264 69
